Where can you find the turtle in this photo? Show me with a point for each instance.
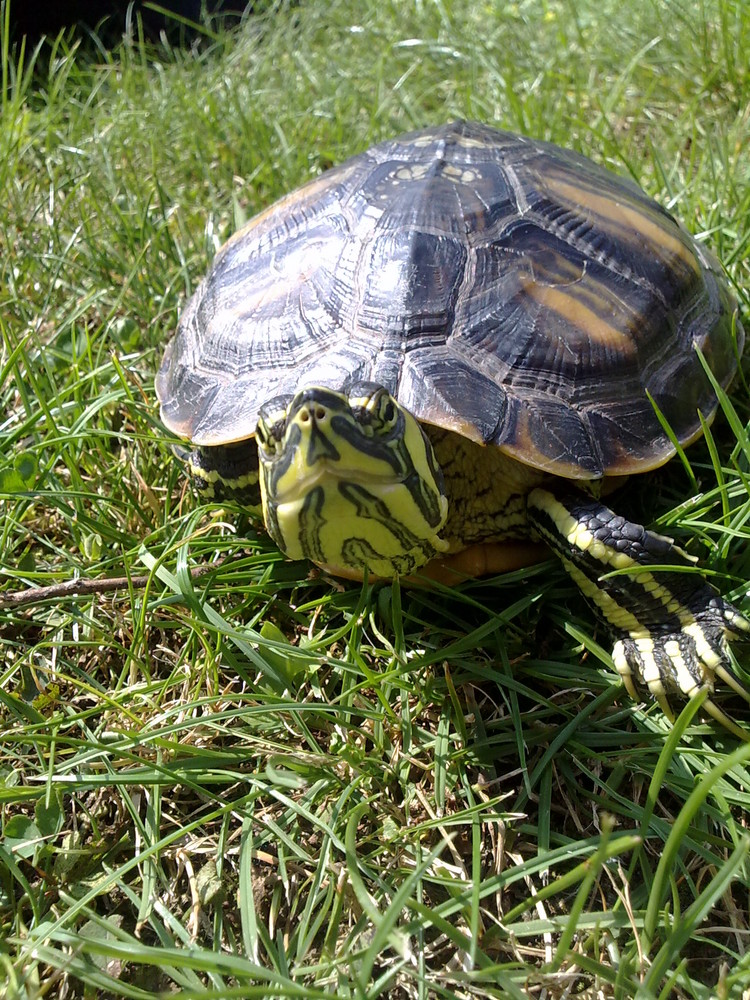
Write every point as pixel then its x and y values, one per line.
pixel 441 357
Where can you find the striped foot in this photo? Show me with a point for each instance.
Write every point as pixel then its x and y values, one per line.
pixel 672 628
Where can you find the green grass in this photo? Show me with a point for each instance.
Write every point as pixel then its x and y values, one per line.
pixel 255 782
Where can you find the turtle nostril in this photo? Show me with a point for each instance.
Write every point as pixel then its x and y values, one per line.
pixel 304 416
pixel 320 413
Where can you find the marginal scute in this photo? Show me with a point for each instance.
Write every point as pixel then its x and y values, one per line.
pixel 499 287
pixel 447 391
pixel 548 435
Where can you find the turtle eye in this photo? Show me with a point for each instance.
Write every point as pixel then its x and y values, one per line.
pixel 373 407
pixel 272 423
pixel 269 438
pixel 268 435
pixel 262 435
pixel 387 410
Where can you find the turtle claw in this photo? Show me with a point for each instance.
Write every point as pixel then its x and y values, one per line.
pixel 726 720
pixel 678 664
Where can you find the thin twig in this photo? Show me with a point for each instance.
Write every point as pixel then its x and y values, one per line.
pixel 85 585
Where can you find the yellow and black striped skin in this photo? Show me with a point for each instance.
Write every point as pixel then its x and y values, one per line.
pixel 227 473
pixel 349 481
pixel 672 629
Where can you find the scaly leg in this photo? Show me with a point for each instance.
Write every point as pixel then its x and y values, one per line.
pixel 672 628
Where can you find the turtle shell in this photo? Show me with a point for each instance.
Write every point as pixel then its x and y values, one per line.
pixel 497 286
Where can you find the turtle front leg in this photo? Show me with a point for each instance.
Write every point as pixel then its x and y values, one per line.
pixel 672 628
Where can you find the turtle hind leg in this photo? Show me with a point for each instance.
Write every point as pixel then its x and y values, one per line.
pixel 672 629
pixel 228 472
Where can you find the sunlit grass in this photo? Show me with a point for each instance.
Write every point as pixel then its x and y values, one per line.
pixel 254 781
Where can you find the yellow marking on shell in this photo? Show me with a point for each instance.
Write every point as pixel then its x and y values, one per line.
pixel 464 141
pixel 412 172
pixel 525 451
pixel 453 422
pixel 633 223
pixel 460 175
pixel 580 316
pixel 590 303
pixel 558 270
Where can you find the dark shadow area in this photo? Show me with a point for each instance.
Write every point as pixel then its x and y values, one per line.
pixel 36 19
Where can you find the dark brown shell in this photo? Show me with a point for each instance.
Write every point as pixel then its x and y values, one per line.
pixel 500 287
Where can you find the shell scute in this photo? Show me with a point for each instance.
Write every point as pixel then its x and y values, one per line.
pixel 497 286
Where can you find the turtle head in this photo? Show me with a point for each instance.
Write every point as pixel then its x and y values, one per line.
pixel 349 480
